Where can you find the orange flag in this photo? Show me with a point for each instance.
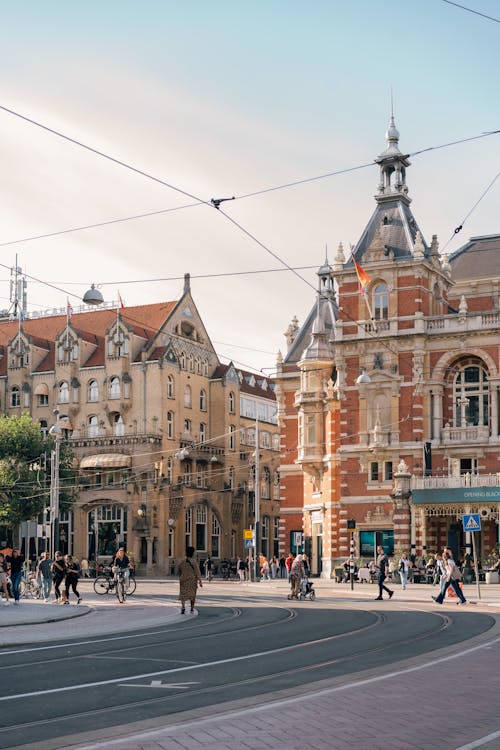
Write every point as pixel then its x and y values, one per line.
pixel 363 277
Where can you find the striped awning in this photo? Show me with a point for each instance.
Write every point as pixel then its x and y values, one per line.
pixel 106 461
pixel 42 389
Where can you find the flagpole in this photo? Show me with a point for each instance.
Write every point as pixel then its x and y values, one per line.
pixel 358 268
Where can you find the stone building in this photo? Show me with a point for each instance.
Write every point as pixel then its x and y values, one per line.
pixel 163 433
pixel 388 395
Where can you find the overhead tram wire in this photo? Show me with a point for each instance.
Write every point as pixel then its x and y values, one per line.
pixel 470 10
pixel 461 225
pixel 199 201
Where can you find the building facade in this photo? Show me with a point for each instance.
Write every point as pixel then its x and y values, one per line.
pixel 388 393
pixel 163 434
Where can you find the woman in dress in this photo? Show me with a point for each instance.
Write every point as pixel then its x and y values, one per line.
pixel 189 578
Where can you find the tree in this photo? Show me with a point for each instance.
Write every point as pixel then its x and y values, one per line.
pixel 25 470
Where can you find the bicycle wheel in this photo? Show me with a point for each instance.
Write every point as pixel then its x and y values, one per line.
pixel 23 589
pixel 131 586
pixel 120 590
pixel 312 595
pixel 101 585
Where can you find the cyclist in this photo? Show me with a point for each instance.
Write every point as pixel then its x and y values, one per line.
pixel 121 562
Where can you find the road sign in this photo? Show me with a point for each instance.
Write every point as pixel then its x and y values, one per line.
pixel 471 522
pixel 297 539
pixel 249 544
pixel 247 533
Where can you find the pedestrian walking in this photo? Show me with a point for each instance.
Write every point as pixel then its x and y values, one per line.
pixel 208 568
pixel 404 566
pixel 439 570
pixel 297 573
pixel 15 563
pixel 383 566
pixel 240 569
pixel 58 573
pixel 451 578
pixel 72 575
pixel 189 579
pixel 44 575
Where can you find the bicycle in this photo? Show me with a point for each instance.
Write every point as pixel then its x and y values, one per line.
pixel 30 589
pixel 120 586
pixel 106 584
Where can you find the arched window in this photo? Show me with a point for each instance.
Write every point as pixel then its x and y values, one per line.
pixel 64 393
pixel 93 391
pixel 191 363
pixel 471 397
pixel 198 366
pixel 93 427
pixel 203 400
pixel 118 425
pixel 205 367
pixel 170 387
pixel 187 396
pixel 231 402
pixel 183 360
pixel 381 302
pixel 170 425
pixel 203 432
pixel 114 387
pixel 15 396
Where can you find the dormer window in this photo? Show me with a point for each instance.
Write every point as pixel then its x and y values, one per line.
pixel 118 344
pixel 67 350
pixel 381 302
pixel 19 354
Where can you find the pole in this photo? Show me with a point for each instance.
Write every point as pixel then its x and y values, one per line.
pixel 351 562
pixel 55 431
pixel 257 498
pixel 475 564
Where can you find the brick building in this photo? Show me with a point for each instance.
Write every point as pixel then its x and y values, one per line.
pixel 388 400
pixel 162 432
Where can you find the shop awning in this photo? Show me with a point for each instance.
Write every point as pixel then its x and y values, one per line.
pixel 106 461
pixel 65 424
pixel 42 389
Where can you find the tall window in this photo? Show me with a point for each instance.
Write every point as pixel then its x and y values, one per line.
pixel 470 395
pixel 311 429
pixel 203 400
pixel 231 402
pixel 44 428
pixel 114 387
pixel 187 396
pixel 170 469
pixel 215 546
pixel 170 425
pixel 189 527
pixel 265 484
pixel 232 437
pixel 265 536
pixel 93 391
pixel 64 393
pixel 15 396
pixel 203 432
pixel 201 528
pixel 170 387
pixel 119 425
pixel 231 478
pixel 276 485
pixel 381 302
pixel 93 427
pixel 191 363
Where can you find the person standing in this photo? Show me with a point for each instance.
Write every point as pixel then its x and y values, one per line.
pixel 382 565
pixel 208 568
pixel 15 561
pixel 4 577
pixel 404 565
pixel 44 575
pixel 58 573
pixel 451 578
pixel 72 575
pixel 240 568
pixel 189 579
pixel 283 567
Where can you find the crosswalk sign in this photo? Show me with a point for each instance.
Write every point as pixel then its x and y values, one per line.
pixel 471 522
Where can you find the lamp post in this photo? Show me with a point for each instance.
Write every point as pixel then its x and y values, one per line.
pixel 257 500
pixel 351 525
pixel 56 432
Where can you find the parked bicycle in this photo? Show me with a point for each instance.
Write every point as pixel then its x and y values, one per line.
pixel 106 584
pixel 30 588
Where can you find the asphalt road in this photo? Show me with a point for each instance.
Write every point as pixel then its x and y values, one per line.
pixel 228 651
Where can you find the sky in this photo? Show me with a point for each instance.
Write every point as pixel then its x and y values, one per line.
pixel 229 98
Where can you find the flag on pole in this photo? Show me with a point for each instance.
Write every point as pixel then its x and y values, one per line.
pixel 363 277
pixel 69 310
pixel 122 304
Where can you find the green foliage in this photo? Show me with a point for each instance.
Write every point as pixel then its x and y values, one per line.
pixel 25 456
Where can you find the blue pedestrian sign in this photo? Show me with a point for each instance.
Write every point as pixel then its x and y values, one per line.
pixel 471 522
pixel 249 543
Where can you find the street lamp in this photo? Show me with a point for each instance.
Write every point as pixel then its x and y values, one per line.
pixel 93 296
pixel 56 433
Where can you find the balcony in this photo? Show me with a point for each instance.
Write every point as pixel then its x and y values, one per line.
pixel 115 440
pixel 452 482
pixel 465 435
pixel 201 451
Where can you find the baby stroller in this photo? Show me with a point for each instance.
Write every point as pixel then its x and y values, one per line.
pixel 307 590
